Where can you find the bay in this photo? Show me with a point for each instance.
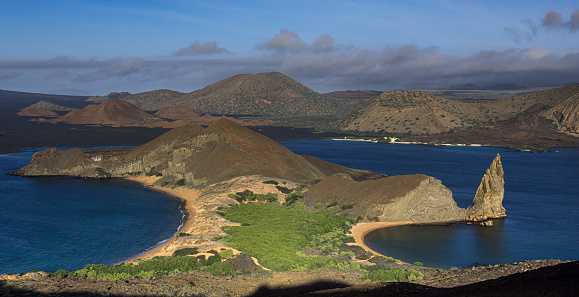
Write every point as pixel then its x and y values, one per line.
pixel 51 223
pixel 541 201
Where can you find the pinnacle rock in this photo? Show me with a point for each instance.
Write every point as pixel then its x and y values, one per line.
pixel 488 200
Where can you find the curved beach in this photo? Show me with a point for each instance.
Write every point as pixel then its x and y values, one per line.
pixel 360 230
pixel 188 196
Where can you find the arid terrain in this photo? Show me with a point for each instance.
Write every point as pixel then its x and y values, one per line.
pixel 527 278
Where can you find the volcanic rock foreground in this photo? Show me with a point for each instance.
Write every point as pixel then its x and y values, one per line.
pixel 194 156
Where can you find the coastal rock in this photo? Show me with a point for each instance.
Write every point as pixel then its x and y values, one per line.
pixel 416 198
pixel 488 200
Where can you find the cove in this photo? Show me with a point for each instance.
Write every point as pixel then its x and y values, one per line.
pixel 541 201
pixel 51 223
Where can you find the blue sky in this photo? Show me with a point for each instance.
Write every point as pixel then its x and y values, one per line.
pixel 96 47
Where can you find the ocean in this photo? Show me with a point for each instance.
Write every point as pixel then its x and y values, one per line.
pixel 541 201
pixel 63 223
pixel 51 223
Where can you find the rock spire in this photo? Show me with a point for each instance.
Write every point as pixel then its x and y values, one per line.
pixel 488 200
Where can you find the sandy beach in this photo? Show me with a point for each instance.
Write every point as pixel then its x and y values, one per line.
pixel 189 196
pixel 360 230
pixel 191 203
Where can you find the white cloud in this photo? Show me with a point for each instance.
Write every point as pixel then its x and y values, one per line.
pixel 196 48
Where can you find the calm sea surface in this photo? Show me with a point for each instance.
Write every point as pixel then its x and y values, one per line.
pixel 53 223
pixel 541 200
pixel 61 223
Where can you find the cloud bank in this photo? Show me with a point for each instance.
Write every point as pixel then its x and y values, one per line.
pixel 196 48
pixel 320 65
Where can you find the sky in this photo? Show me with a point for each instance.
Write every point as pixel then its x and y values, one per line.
pixel 81 47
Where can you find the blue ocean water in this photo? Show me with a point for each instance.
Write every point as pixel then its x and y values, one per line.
pixel 541 201
pixel 53 223
pixel 62 223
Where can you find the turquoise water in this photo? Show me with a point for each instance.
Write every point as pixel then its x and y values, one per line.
pixel 53 223
pixel 541 200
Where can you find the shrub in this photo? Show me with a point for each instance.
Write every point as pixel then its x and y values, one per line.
pixel 185 252
pixel 180 182
pixel 220 268
pixel 226 254
pixel 61 273
pixel 417 264
pixel 347 206
pixel 145 268
pixel 271 182
pixel 291 198
pixel 284 190
pixel 391 275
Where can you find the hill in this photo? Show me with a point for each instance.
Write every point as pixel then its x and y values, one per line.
pixel 419 112
pixel 113 113
pixel 36 112
pixel 528 131
pixel 190 153
pixel 272 95
pixel 178 112
pixel 50 106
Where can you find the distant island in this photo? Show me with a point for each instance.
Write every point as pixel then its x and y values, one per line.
pixel 531 119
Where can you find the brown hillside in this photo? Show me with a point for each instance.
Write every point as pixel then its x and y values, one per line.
pixel 155 100
pixel 196 155
pixel 263 94
pixel 179 112
pixel 527 130
pixel 418 112
pixel 113 112
pixel 36 112
pixel 266 94
pixel 404 112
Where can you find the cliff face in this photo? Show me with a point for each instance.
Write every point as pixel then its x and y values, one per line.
pixel 488 200
pixel 196 155
pixel 566 114
pixel 417 198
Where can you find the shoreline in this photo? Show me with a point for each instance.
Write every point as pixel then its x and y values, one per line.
pixel 360 230
pixel 187 196
pixel 393 141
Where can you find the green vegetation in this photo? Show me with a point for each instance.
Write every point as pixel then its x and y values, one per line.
pixel 292 198
pixel 284 190
pixel 379 274
pixel 180 182
pixel 417 264
pixel 185 252
pixel 248 195
pixel 275 234
pixel 272 182
pixel 226 254
pixel 146 268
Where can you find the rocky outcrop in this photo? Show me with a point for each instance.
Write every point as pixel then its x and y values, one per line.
pixel 566 114
pixel 417 198
pixel 488 200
